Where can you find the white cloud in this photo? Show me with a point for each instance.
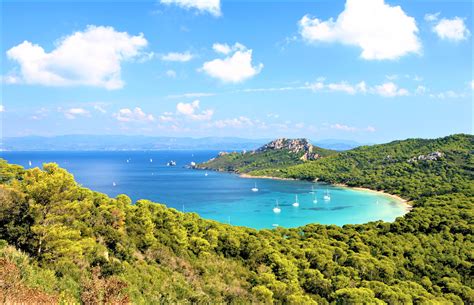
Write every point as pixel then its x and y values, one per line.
pixel 176 56
pixel 380 30
pixel 11 78
pixel 347 88
pixel 133 115
pixel 221 48
pixel 234 68
pixel 171 73
pixel 420 90
pixel 72 113
pixel 211 6
pixel 432 17
pixel 2 108
pixel 347 128
pixel 389 89
pixel 92 57
pixel 190 95
pixel 343 127
pixel 450 94
pixel 238 122
pixel 452 29
pixel 190 110
pixel 100 108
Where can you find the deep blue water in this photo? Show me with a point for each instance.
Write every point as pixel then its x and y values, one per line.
pixel 220 196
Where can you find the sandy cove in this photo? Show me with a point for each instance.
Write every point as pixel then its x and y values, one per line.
pixel 405 202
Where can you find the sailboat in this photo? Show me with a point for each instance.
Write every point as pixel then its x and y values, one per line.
pixel 255 188
pixel 128 160
pixel 296 203
pixel 114 184
pixel 151 160
pixel 276 209
pixel 312 190
pixel 314 198
pixel 327 197
pixel 29 163
pixel 206 174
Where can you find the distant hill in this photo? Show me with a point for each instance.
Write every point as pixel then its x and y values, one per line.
pixel 121 142
pixel 275 154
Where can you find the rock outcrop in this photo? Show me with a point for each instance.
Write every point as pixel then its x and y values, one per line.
pixel 433 156
pixel 296 146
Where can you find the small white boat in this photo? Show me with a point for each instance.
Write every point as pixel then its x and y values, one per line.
pixel 128 160
pixel 255 188
pixel 275 225
pixel 276 209
pixel 312 190
pixel 206 174
pixel 296 203
pixel 327 197
pixel 114 184
pixel 29 163
pixel 171 163
pixel 151 160
pixel 314 199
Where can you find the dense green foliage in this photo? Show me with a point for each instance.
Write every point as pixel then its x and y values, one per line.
pixel 245 162
pixel 65 242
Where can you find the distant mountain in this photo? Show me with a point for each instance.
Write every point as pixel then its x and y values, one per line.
pixel 120 142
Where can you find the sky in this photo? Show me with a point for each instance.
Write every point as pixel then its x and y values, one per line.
pixel 363 70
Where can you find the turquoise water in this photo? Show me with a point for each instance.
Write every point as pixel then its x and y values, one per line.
pixel 219 196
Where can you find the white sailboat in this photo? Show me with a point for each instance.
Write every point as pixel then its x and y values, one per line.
pixel 276 209
pixel 327 197
pixel 255 188
pixel 206 174
pixel 114 184
pixel 314 198
pixel 312 190
pixel 151 160
pixel 29 163
pixel 296 203
pixel 128 160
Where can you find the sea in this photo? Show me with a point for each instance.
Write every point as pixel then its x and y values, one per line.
pixel 224 197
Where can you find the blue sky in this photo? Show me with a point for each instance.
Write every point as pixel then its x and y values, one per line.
pixel 365 70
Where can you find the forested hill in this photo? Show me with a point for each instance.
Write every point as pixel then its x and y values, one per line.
pixel 275 154
pixel 60 242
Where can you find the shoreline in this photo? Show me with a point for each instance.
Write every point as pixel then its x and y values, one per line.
pixel 401 200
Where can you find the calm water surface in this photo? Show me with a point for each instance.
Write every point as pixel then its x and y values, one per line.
pixel 218 196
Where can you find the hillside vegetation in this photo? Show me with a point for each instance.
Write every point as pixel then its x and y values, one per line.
pixel 62 242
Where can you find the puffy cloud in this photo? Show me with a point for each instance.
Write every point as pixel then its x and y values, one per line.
pixel 234 68
pixel 190 110
pixel 451 29
pixel 380 30
pixel 389 89
pixel 221 48
pixel 432 17
pixel 92 57
pixel 191 95
pixel 133 115
pixel 2 108
pixel 211 6
pixel 175 56
pixel 420 90
pixel 72 113
pixel 171 73
pixel 347 88
pixel 238 122
pixel 343 127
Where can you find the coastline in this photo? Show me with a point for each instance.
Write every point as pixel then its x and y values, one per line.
pixel 401 200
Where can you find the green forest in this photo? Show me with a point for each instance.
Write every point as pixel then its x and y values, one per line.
pixel 60 242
